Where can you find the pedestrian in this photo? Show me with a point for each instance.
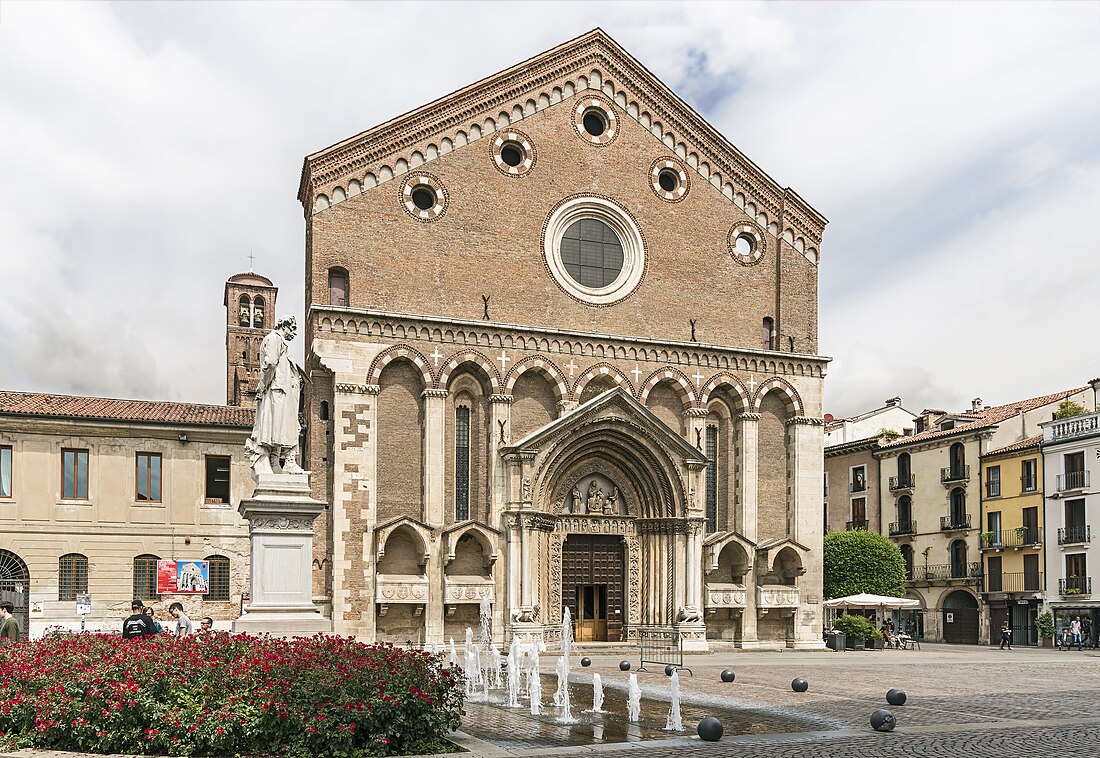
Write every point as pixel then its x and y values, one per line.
pixel 1006 636
pixel 183 624
pixel 9 627
pixel 149 612
pixel 206 625
pixel 138 625
pixel 1075 632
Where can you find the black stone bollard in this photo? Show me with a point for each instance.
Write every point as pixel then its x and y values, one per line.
pixel 895 697
pixel 586 661
pixel 624 665
pixel 800 685
pixel 710 729
pixel 669 669
pixel 882 720
pixel 728 675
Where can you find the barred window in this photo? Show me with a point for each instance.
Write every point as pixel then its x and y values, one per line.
pixel 712 478
pixel 462 463
pixel 72 576
pixel 219 578
pixel 145 577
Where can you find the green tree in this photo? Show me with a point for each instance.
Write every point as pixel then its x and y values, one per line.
pixel 1069 409
pixel 862 561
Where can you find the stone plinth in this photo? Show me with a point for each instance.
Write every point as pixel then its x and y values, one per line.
pixel 280 518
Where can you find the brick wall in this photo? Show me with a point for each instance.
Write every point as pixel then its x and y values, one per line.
pixel 534 405
pixel 771 516
pixel 399 442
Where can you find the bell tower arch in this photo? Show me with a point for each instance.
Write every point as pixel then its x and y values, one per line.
pixel 249 315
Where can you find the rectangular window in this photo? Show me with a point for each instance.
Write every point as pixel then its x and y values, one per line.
pixel 993 581
pixel 993 481
pixel 74 474
pixel 859 479
pixel 5 471
pixel 1031 525
pixel 1075 566
pixel 462 463
pixel 712 478
pixel 1031 573
pixel 1029 482
pixel 1075 514
pixel 148 477
pixel 826 485
pixel 859 513
pixel 993 525
pixel 217 479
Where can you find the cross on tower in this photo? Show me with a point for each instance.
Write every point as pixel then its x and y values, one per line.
pixel 637 373
pixel 572 366
pixel 697 376
pixel 504 361
pixel 251 259
pixel 436 356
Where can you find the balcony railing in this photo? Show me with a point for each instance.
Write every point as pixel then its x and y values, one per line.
pixel 954 523
pixel 902 482
pixel 1020 581
pixel 1075 585
pixel 1029 483
pixel 855 524
pixel 993 489
pixel 1077 426
pixel 955 474
pixel 1073 480
pixel 945 571
pixel 1075 535
pixel 898 528
pixel 1021 537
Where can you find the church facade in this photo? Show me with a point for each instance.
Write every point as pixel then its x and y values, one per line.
pixel 562 348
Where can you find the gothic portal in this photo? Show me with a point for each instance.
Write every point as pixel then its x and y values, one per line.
pixel 562 353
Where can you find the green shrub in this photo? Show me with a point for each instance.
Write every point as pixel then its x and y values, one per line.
pixel 221 694
pixel 862 561
pixel 1044 625
pixel 857 628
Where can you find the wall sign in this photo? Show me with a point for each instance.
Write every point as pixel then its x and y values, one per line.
pixel 183 577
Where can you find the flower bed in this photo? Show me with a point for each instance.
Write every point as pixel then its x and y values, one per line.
pixel 225 695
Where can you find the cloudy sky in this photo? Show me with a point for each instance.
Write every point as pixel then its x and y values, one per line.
pixel 146 148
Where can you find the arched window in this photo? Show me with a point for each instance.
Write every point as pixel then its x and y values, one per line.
pixel 958 507
pixel 958 560
pixel 337 286
pixel 324 410
pixel 462 463
pixel 905 514
pixel 958 461
pixel 907 556
pixel 904 469
pixel 767 333
pixel 258 312
pixel 219 578
pixel 15 585
pixel 712 477
pixel 244 313
pixel 145 577
pixel 72 576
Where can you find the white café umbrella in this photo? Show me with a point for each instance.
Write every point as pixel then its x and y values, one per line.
pixel 864 600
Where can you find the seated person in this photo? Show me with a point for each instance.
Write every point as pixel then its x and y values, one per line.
pixel 888 637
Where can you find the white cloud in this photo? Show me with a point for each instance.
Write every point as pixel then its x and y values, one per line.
pixel 147 147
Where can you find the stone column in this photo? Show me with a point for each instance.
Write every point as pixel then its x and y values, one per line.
pixel 435 412
pixel 695 420
pixel 500 412
pixel 748 432
pixel 805 512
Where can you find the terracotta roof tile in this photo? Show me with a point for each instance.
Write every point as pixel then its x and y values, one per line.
pixel 988 417
pixel 1021 445
pixel 105 408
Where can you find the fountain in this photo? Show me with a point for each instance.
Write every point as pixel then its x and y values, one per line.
pixel 633 700
pixel 494 668
pixel 454 655
pixel 566 716
pixel 471 664
pixel 597 694
pixel 485 616
pixel 563 682
pixel 533 672
pixel 513 673
pixel 536 690
pixel 675 723
pixel 435 650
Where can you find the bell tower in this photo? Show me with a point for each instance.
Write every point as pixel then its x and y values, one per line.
pixel 249 315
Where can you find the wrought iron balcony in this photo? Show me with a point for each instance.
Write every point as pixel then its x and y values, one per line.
pixel 1019 581
pixel 993 488
pixel 855 524
pixel 947 571
pixel 899 528
pixel 953 474
pixel 1073 480
pixel 902 482
pixel 954 523
pixel 1075 585
pixel 1075 535
pixel 1018 537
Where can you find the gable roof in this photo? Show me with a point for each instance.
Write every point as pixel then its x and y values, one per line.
pixel 593 62
pixel 42 405
pixel 984 419
pixel 1030 442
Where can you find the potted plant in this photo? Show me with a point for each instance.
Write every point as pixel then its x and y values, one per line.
pixel 988 538
pixel 1044 625
pixel 860 632
pixel 1021 534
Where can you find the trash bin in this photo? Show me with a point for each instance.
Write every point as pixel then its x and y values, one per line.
pixel 837 640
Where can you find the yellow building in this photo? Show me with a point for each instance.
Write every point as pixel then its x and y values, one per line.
pixel 1012 538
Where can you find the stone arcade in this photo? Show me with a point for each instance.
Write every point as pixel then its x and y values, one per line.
pixel 562 349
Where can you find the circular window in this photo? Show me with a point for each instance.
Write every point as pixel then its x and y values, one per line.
pixel 595 120
pixel 746 243
pixel 594 250
pixel 423 197
pixel 513 154
pixel 669 179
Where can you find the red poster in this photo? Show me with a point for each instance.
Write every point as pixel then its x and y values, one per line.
pixel 183 577
pixel 166 577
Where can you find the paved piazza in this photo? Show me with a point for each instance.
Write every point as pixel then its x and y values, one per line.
pixel 964 701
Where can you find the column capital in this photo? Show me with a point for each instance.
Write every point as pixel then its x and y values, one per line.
pixel 748 416
pixel 805 421
pixel 350 388
pixel 696 413
pixel 436 394
pixel 501 399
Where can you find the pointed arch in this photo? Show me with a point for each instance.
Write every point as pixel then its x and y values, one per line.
pixel 728 382
pixel 601 369
pixel 391 354
pixel 547 366
pixel 791 397
pixel 674 376
pixel 468 356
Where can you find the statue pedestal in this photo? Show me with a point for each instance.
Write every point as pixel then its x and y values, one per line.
pixel 693 636
pixel 280 517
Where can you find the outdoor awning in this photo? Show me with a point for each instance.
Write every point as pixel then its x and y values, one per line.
pixel 864 600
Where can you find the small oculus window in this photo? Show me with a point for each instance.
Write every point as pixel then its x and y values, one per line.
pixel 595 120
pixel 746 243
pixel 669 179
pixel 513 153
pixel 423 196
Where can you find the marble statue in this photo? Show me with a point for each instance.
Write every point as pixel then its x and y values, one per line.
pixel 609 506
pixel 578 501
pixel 593 491
pixel 276 430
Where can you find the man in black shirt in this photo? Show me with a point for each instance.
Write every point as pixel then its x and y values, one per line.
pixel 138 625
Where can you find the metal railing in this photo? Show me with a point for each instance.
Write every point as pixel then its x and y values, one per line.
pixel 955 474
pixel 1029 483
pixel 855 524
pixel 952 523
pixel 993 488
pixel 903 482
pixel 1075 535
pixel 944 571
pixel 663 647
pixel 1075 585
pixel 898 528
pixel 1014 581
pixel 1073 480
pixel 1019 537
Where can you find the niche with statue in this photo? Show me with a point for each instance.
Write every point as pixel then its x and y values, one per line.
pixel 593 494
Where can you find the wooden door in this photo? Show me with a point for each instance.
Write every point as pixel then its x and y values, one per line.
pixel 592 613
pixel 595 562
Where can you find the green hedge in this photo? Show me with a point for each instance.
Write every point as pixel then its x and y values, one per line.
pixel 857 628
pixel 862 561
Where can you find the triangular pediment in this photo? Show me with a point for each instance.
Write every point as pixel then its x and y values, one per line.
pixel 588 65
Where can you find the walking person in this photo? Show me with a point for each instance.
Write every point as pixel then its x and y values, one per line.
pixel 1075 631
pixel 1006 636
pixel 9 627
pixel 183 624
pixel 138 625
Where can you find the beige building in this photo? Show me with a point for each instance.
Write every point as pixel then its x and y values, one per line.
pixel 563 353
pixel 931 484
